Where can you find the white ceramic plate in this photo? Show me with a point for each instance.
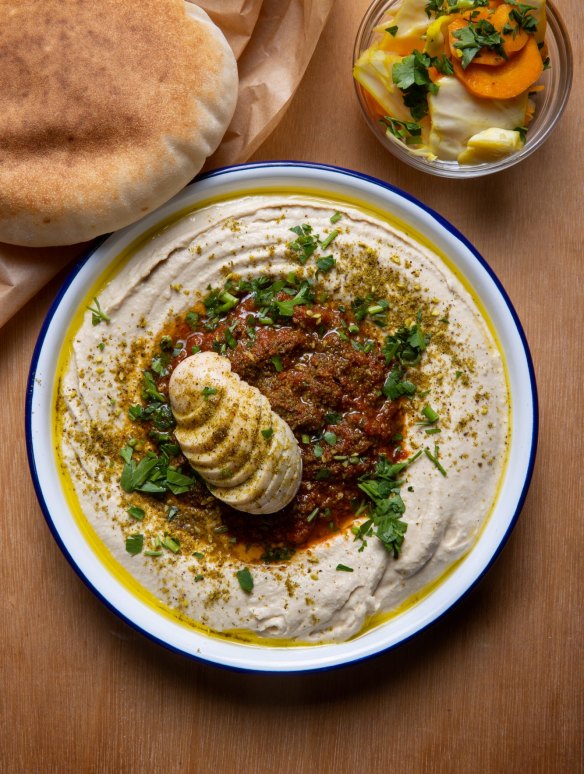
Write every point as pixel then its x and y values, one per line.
pixel 173 635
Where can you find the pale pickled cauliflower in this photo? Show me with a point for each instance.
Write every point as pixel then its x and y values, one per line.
pixel 451 80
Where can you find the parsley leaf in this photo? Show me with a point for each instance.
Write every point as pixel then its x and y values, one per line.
pixel 245 580
pixel 149 390
pixel 277 363
pixel 522 14
pixel 412 77
pixel 286 308
pixel 217 303
pixel 134 544
pixel 325 264
pixel 406 131
pixel 192 320
pixel 277 554
pixel 395 385
pixel 384 514
pixel 97 313
pixel 305 243
pixel 406 345
pixel 444 7
pixel 154 475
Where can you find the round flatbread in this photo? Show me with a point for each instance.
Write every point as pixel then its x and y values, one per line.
pixel 108 109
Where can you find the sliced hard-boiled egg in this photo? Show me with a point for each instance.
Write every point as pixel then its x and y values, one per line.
pixel 227 430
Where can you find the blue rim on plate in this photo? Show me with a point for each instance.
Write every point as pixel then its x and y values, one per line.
pixel 38 386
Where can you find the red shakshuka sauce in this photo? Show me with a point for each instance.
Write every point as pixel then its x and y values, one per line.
pixel 325 379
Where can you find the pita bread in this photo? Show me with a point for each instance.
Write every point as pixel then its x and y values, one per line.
pixel 108 109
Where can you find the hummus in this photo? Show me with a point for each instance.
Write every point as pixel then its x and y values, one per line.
pixel 455 423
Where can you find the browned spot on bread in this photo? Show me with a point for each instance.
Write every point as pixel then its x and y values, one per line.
pixel 102 100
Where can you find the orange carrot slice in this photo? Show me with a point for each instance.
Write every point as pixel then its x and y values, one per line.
pixel 489 58
pixel 500 17
pixel 434 74
pixel 515 40
pixel 506 81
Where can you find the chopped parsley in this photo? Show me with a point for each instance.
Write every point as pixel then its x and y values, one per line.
pixel 154 474
pixel 430 414
pixel 277 363
pixel 286 308
pixel 375 310
pixel 406 345
pixel 230 339
pixel 522 14
pixel 411 76
pixel 97 314
pixel 444 7
pixel 277 554
pixel 137 513
pixel 330 438
pixel 208 391
pixel 332 236
pixel 305 243
pixel 217 303
pixel 134 544
pixel 384 514
pixel 325 264
pixel 172 513
pixel 434 459
pixel 406 131
pixel 395 385
pixel 268 432
pixel 192 320
pixel 343 568
pixel 149 390
pixel 245 580
pixel 312 515
pixel 171 543
pixel 477 35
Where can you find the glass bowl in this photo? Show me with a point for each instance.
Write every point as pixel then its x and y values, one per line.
pixel 550 102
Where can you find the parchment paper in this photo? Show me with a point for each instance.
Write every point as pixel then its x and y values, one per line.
pixel 273 41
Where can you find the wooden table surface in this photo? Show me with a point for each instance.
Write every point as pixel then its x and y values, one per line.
pixel 495 686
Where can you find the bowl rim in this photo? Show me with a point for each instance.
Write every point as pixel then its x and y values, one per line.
pixel 314 171
pixel 471 171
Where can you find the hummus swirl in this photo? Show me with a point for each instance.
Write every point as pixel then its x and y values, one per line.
pixel 190 560
pixel 226 429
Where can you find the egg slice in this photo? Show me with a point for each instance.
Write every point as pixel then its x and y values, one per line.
pixel 245 452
